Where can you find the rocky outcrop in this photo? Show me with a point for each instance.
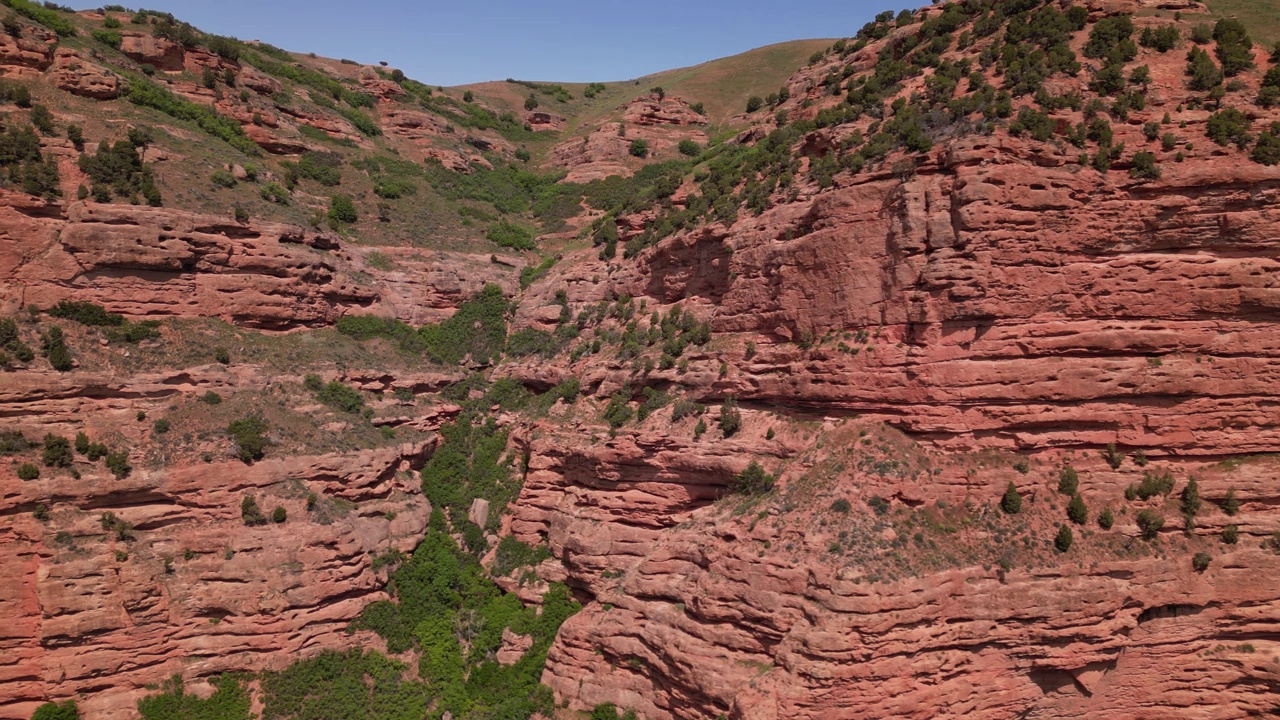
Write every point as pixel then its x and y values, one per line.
pixel 152 262
pixel 148 49
pixel 194 591
pixel 73 73
pixel 661 122
pixel 20 55
pixel 376 85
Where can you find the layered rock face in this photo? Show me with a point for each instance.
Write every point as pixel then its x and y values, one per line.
pixel 152 262
pixel 990 296
pixel 198 593
pixel 661 122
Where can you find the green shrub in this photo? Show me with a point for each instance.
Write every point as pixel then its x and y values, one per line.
pixel 1062 542
pixel 279 515
pixel 1145 167
pixel 1234 46
pixel 1231 504
pixel 639 148
pixel 118 168
pixel 1231 534
pixel 229 701
pixel 1150 522
pixel 118 463
pixel 1162 39
pixel 618 411
pixel 1153 483
pixel 57 451
pixel 1200 561
pixel 28 471
pixel 221 356
pixel 47 16
pixel 510 235
pixel 342 209
pixel 841 506
pixel 1106 519
pixel 730 417
pixel 531 341
pixel 57 711
pixel 753 480
pixel 393 188
pixel 54 347
pixel 1077 511
pixel 161 426
pixel 1113 456
pixel 250 513
pixel 1228 126
pixel 85 313
pixel 1068 481
pixel 323 167
pixel 1191 498
pixel 341 397
pixel 1110 38
pixel 1033 122
pixel 149 94
pixel 223 179
pixel 211 398
pixel 512 554
pixel 1011 502
pixel 248 435
pixel 689 148
pixel 275 193
pixel 477 329
pixel 42 119
pixel 1204 73
pixel 1267 151
pixel 754 103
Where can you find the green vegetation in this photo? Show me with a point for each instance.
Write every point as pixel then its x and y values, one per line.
pixel 149 94
pixel 1150 523
pixel 1106 519
pixel 1068 481
pixel 54 347
pixel 1231 504
pixel 639 148
pixel 1234 46
pixel 46 15
pixel 1204 73
pixel 342 209
pixel 510 235
pixel 1231 534
pixel 350 684
pixel 1200 561
pixel 57 711
pixel 57 451
pixel 445 603
pixel 1077 511
pixel 469 464
pixel 341 397
pixel 250 513
pixel 229 701
pixel 730 417
pixel 1062 542
pixel 1162 39
pixel 28 471
pixel 1113 456
pixel 1011 502
pixel 1153 483
pixel 753 480
pixel 248 435
pixel 118 169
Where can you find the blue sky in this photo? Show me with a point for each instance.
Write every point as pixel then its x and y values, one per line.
pixel 566 40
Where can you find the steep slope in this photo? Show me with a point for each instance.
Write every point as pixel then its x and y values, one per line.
pixel 942 389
